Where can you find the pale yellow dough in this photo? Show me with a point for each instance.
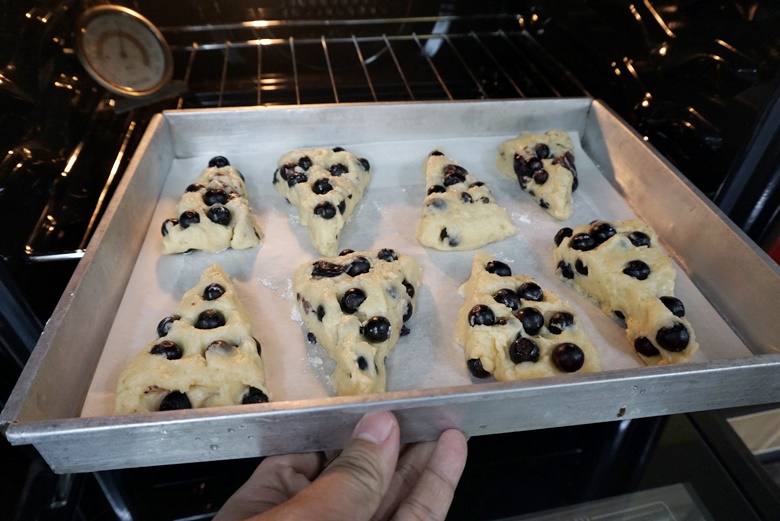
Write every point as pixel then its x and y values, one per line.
pixel 464 215
pixel 300 189
pixel 390 288
pixel 240 233
pixel 639 301
pixel 555 193
pixel 490 344
pixel 209 375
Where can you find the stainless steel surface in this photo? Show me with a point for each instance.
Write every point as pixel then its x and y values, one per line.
pixel 44 407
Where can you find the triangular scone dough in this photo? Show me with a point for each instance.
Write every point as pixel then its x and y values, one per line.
pixel 324 184
pixel 205 355
pixel 355 305
pixel 213 214
pixel 621 266
pixel 459 212
pixel 512 329
pixel 543 164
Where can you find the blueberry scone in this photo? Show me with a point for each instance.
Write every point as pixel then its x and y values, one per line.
pixel 325 185
pixel 621 266
pixel 543 164
pixel 213 214
pixel 205 355
pixel 355 305
pixel 459 212
pixel 512 329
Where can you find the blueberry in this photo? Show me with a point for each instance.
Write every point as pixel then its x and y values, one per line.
pixel 168 349
pixel 530 291
pixel 376 329
pixel 499 268
pixel 215 196
pixel 639 239
pixel 476 369
pixel 167 225
pixel 466 198
pixel 165 325
pixel 452 241
pixel 645 347
pixel 454 174
pixel 519 166
pixel 674 305
pixel 484 200
pixel 311 337
pixel 541 176
pixel 304 162
pixel 508 298
pixel 286 170
pixel 404 330
pixel 321 186
pixel 338 149
pixel 582 242
pixel 295 178
pixel 388 255
pixel 342 206
pixel 362 363
pixel 532 320
pixel 325 209
pixel 542 151
pixel 533 165
pixel 338 169
pixel 323 268
pixel 481 315
pixel 320 312
pixel 436 153
pixel 345 251
pixel 210 319
pixel 358 266
pixel 254 395
pixel 637 269
pixel 523 350
pixel 174 401
pixel 568 357
pixel 437 203
pixel 409 288
pixel 436 189
pixel 619 314
pixel 562 234
pixel 560 321
pixel 221 347
pixel 408 310
pixel 194 187
pixel 218 161
pixel 188 218
pixel 476 184
pixel 673 338
pixel 581 268
pixel 219 215
pixel 602 231
pixel 213 291
pixel 352 300
pixel 365 163
pixel 565 270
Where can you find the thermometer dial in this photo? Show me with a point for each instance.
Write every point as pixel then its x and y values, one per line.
pixel 123 51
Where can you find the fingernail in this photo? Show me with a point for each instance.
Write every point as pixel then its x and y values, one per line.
pixel 374 427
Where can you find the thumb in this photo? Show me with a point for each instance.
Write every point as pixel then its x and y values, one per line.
pixel 352 486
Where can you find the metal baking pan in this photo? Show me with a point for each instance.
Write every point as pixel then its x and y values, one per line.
pixel 738 281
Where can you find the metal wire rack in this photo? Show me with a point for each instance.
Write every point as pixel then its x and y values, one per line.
pixel 275 62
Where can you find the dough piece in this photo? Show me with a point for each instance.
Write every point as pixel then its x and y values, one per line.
pixel 205 355
pixel 213 214
pixel 621 266
pixel 356 305
pixel 325 185
pixel 459 212
pixel 512 329
pixel 544 166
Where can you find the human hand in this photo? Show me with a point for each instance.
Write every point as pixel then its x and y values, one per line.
pixel 372 479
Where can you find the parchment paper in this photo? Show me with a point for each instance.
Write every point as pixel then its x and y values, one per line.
pixel 387 216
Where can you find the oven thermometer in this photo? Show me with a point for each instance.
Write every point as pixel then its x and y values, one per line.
pixel 123 51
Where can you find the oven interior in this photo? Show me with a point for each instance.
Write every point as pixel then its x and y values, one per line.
pixel 699 79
